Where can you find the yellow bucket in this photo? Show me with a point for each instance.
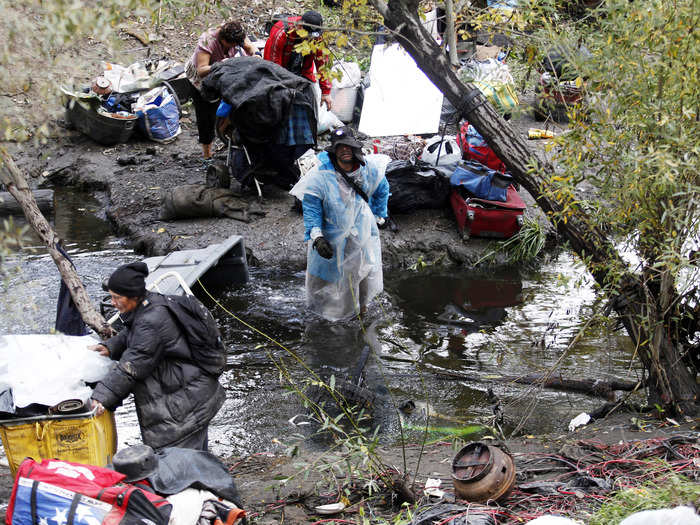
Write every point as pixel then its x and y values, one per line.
pixel 81 438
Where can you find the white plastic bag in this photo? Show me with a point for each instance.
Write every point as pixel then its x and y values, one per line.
pixel 327 120
pixel 344 91
pixel 351 75
pixel 48 369
pixel 126 79
pixel 489 70
pixel 676 516
pixel 553 520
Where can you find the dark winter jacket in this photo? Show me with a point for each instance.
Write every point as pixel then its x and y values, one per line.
pixel 261 94
pixel 173 396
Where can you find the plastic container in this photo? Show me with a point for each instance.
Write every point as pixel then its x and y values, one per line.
pixel 81 438
pixel 105 128
pixel 535 133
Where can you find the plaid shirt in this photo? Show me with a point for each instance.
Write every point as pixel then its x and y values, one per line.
pixel 298 131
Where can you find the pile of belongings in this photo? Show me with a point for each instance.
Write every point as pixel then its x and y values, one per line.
pixel 271 115
pixel 47 374
pixel 462 171
pixel 172 487
pixel 407 147
pixel 560 85
pixel 141 96
pixel 492 77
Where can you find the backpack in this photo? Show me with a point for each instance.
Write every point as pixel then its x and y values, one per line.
pixel 280 17
pixel 200 330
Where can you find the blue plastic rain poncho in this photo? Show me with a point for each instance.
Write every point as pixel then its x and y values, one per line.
pixel 337 288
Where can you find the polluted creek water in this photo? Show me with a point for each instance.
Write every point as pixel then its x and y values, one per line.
pixel 444 338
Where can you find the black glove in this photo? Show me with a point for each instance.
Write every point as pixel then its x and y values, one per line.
pixel 323 247
pixel 387 223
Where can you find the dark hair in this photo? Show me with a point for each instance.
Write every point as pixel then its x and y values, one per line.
pixel 232 32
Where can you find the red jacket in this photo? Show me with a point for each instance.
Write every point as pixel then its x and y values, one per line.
pixel 280 45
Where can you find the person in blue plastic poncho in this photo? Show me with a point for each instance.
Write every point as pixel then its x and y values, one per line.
pixel 343 198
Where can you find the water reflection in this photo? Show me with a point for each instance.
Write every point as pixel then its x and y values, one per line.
pixel 75 220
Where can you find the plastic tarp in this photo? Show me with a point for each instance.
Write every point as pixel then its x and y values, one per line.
pixel 48 369
pixel 182 468
pixel 400 99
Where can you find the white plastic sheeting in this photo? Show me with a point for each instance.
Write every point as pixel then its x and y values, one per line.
pixel 48 369
pixel 553 520
pixel 676 516
pixel 400 99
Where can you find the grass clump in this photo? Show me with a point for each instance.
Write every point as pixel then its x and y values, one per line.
pixel 671 492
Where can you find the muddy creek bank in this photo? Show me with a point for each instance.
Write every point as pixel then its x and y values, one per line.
pixel 132 177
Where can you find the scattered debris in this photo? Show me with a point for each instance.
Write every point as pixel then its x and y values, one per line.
pixel 579 421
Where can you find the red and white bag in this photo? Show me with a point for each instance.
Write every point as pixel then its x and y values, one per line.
pixel 75 494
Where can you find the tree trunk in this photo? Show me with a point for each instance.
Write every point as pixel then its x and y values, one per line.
pixel 11 176
pixel 9 206
pixel 591 387
pixel 450 32
pixel 655 349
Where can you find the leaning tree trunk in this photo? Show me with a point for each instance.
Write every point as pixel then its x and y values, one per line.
pixel 668 376
pixel 12 177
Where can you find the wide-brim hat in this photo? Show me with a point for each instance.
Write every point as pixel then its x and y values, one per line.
pixel 344 135
pixel 136 463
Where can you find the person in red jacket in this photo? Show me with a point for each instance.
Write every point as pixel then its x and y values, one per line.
pixel 279 49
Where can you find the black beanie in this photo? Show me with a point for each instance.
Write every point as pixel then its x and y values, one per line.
pixel 129 280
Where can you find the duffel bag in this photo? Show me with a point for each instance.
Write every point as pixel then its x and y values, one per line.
pixel 80 495
pixel 481 182
pixel 416 185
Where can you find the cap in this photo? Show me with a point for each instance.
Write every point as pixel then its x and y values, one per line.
pixel 312 22
pixel 137 462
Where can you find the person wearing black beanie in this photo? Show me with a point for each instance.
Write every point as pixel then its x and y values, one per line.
pixel 175 399
pixel 129 280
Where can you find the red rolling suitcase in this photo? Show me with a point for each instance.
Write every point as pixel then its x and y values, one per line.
pixel 482 218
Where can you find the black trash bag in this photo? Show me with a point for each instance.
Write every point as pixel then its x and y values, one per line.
pixel 417 186
pixel 466 515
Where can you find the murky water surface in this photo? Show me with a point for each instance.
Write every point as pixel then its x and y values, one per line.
pixel 429 328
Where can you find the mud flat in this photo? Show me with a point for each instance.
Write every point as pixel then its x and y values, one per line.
pixel 131 178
